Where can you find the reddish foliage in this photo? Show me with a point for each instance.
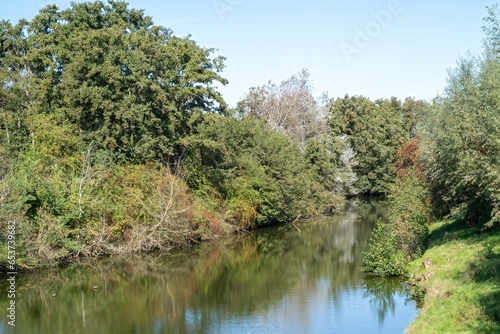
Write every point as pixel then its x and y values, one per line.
pixel 407 157
pixel 214 256
pixel 214 223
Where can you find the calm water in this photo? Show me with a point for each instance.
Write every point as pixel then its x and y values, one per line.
pixel 290 279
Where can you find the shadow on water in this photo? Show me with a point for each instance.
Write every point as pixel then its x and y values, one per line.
pixel 295 279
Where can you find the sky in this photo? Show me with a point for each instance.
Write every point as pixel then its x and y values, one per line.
pixel 375 48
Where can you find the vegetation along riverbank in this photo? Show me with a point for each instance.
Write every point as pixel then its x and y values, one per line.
pixel 451 173
pixel 115 138
pixel 458 278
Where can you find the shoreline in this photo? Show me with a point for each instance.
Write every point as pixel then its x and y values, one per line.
pixel 459 282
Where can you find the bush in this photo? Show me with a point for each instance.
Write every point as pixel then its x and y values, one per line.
pixel 395 244
pixel 68 209
pixel 409 210
pixel 259 173
pixel 384 256
pixel 143 207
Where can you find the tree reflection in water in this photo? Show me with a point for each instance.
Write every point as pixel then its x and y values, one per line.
pixel 275 279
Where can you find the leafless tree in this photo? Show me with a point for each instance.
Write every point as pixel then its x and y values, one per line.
pixel 289 107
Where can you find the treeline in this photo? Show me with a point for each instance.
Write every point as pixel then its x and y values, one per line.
pixel 115 138
pixel 452 167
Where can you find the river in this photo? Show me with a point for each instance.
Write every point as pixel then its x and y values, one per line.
pixel 300 278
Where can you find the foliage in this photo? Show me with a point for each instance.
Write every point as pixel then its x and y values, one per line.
pixel 459 171
pixel 93 101
pixel 410 201
pixel 42 199
pixel 492 29
pixel 84 208
pixel 462 143
pixel 409 213
pixel 109 122
pixel 99 105
pixel 384 257
pixel 332 162
pixel 375 131
pixel 289 107
pixel 414 112
pixel 395 243
pixel 128 85
pixel 259 173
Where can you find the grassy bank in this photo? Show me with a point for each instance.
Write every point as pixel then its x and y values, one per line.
pixel 461 286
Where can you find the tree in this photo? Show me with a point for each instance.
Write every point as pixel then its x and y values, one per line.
pixel 492 31
pixel 256 170
pixel 332 161
pixel 374 130
pixel 462 136
pixel 125 83
pixel 289 107
pixel 404 237
pixel 14 83
pixel 462 147
pixel 413 115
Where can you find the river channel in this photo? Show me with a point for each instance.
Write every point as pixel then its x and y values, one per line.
pixel 298 278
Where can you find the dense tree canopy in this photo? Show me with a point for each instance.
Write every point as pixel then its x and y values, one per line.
pixel 112 75
pixel 289 107
pixel 261 173
pixel 375 130
pixel 462 142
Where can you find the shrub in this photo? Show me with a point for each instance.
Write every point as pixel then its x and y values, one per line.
pixel 384 256
pixel 260 174
pixel 404 238
pixel 141 207
pixel 410 212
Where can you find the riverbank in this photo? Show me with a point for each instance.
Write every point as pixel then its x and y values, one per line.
pixel 461 284
pixel 283 279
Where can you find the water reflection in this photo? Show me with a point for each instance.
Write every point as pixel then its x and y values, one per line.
pixel 303 279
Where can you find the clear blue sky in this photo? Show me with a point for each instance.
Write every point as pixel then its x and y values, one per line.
pixel 406 53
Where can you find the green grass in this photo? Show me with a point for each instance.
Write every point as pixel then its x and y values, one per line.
pixel 463 294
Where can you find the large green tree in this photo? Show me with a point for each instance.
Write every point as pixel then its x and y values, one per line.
pixel 375 130
pixel 121 81
pixel 258 172
pixel 462 135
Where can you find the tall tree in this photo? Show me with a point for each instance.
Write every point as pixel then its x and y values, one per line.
pixel 289 107
pixel 125 83
pixel 462 135
pixel 258 171
pixel 14 85
pixel 374 130
pixel 462 142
